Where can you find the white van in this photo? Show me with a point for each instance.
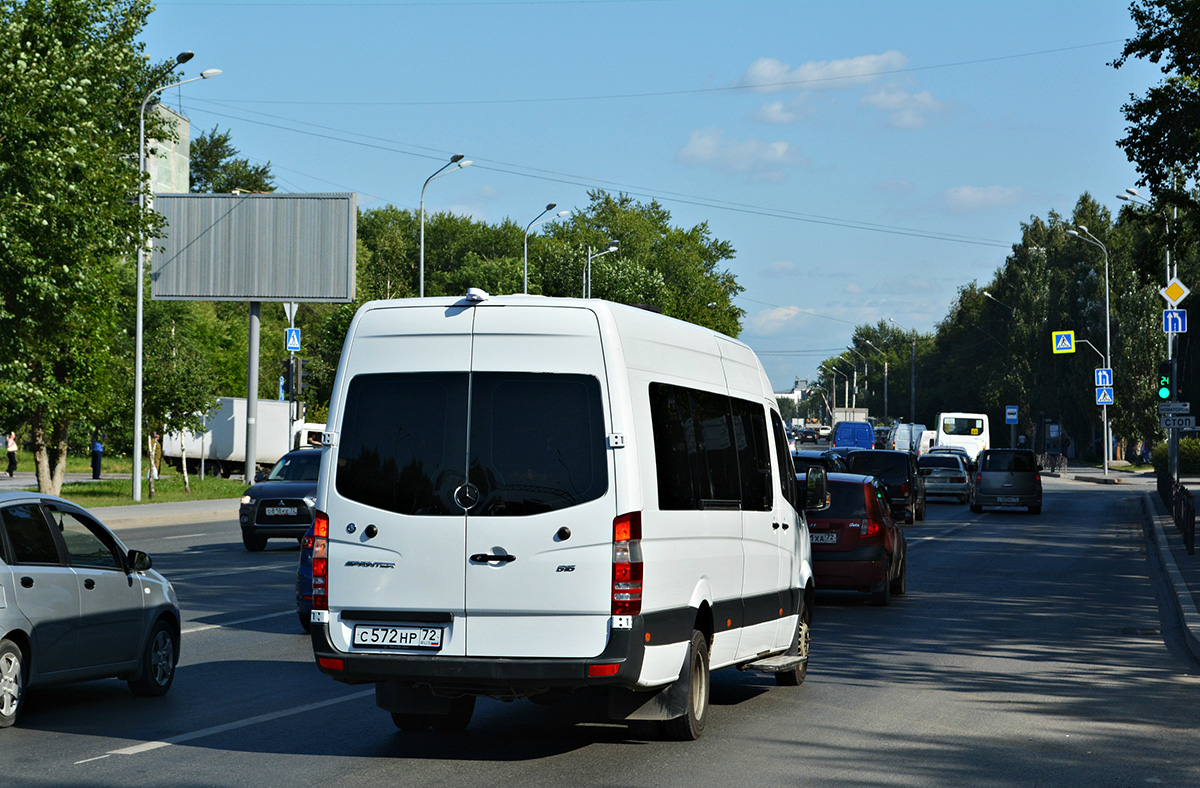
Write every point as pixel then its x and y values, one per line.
pixel 906 437
pixel 533 497
pixel 966 430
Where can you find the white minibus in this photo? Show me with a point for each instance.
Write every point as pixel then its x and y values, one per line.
pixel 968 431
pixel 531 497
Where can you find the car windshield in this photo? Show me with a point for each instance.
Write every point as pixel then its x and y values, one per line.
pixel 303 467
pixel 847 501
pixel 936 461
pixel 878 463
pixel 1017 462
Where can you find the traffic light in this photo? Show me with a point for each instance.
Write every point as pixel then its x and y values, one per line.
pixel 1166 383
pixel 287 378
pixel 301 375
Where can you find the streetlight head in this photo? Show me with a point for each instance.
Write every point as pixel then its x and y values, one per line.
pixel 210 72
pixel 456 158
pixel 184 57
pixel 612 246
pixel 1081 228
pixel 466 163
pixel 1124 197
pixel 1072 233
pixel 562 213
pixel 551 206
pixel 1134 192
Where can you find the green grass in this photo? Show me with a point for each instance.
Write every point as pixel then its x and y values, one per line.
pixel 167 489
pixel 81 463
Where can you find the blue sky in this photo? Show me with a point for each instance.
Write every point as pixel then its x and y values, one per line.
pixel 865 159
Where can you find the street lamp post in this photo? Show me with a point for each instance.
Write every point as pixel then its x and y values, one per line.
pixel 183 57
pixel 866 374
pixel 455 159
pixel 1082 234
pixel 833 386
pixel 530 226
pixel 912 406
pixel 587 271
pixel 885 376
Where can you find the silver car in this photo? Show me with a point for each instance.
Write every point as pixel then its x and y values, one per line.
pixel 77 604
pixel 1007 477
pixel 948 475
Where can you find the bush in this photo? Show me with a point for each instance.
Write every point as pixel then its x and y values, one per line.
pixel 1189 456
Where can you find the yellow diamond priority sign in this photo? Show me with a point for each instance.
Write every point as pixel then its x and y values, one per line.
pixel 1174 292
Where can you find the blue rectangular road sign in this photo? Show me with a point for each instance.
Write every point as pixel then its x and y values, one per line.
pixel 1174 321
pixel 1104 377
pixel 1010 414
pixel 1104 395
pixel 293 340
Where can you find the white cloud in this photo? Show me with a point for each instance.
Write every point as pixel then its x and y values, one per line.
pixel 762 159
pixel 768 75
pixel 780 268
pixel 776 320
pixel 969 199
pixel 779 112
pixel 905 110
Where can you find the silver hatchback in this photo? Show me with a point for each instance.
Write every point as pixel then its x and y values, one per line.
pixel 77 604
pixel 948 475
pixel 1007 477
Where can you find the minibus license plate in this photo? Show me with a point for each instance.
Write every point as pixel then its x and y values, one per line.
pixel 397 637
pixel 830 538
pixel 1007 499
pixel 281 511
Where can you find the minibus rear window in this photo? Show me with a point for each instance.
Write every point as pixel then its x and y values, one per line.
pixel 536 442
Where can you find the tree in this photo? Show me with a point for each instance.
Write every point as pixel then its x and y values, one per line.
pixel 73 80
pixel 1163 136
pixel 215 167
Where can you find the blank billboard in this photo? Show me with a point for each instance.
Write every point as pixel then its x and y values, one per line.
pixel 255 247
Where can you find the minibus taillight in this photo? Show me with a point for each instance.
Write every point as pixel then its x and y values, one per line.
pixel 320 564
pixel 627 565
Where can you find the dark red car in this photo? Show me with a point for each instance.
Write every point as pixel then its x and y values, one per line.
pixel 856 544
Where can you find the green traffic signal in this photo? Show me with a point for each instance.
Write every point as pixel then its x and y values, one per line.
pixel 1166 388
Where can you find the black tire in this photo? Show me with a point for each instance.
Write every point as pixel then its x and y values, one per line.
pixel 305 621
pixel 882 596
pixel 963 498
pixel 411 723
pixel 158 662
pixel 976 508
pixel 253 542
pixel 899 586
pixel 921 511
pixel 696 679
pixel 1035 509
pixel 801 646
pixel 12 682
pixel 459 717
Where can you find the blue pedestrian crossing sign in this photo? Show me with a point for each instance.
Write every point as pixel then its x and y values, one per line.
pixel 1174 321
pixel 1104 395
pixel 1104 377
pixel 293 340
pixel 1064 341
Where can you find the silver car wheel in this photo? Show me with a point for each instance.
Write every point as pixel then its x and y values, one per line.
pixel 162 658
pixel 10 683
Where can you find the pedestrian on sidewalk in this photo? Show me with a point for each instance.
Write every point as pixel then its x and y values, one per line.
pixel 97 453
pixel 12 453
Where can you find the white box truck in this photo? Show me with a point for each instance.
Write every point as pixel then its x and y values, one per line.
pixel 222 447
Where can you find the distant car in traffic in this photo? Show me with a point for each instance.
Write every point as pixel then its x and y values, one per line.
pixel 807 436
pixel 824 431
pixel 899 472
pixel 853 434
pixel 76 604
pixel 957 451
pixel 948 475
pixel 829 459
pixel 1007 477
pixel 856 543
pixel 282 503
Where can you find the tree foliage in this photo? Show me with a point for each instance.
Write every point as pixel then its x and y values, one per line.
pixel 215 167
pixel 73 77
pixel 1163 136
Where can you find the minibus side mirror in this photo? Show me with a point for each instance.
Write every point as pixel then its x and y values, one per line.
pixel 816 490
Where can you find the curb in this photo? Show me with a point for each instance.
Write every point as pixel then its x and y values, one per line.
pixel 144 515
pixel 1097 479
pixel 1184 602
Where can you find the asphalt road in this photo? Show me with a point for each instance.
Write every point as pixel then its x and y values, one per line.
pixel 1029 650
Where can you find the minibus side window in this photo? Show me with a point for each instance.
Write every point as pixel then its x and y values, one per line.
pixel 754 455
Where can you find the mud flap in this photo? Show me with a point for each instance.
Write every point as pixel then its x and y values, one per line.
pixel 403 698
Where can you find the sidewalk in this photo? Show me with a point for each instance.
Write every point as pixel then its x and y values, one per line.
pixel 1182 570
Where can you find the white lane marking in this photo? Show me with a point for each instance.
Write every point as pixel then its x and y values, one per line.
pixel 184 536
pixel 182 576
pixel 223 624
pixel 89 760
pixel 230 726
